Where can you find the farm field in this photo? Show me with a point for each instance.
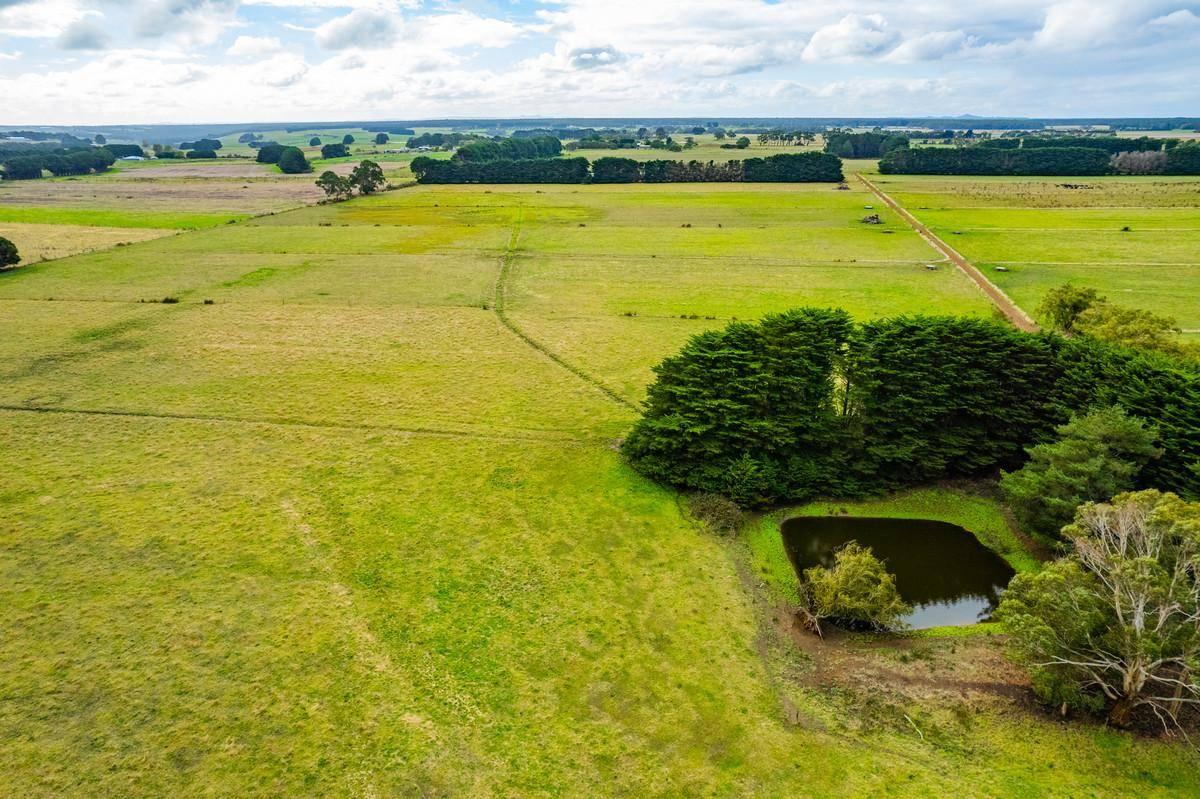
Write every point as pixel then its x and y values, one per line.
pixel 1050 231
pixel 357 525
pixel 54 218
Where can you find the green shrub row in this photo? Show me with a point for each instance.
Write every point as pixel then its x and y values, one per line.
pixel 807 404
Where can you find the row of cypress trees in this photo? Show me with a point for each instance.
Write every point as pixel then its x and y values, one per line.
pixel 784 168
pixel 806 404
pixel 1006 157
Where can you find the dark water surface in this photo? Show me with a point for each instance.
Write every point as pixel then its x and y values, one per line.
pixel 941 569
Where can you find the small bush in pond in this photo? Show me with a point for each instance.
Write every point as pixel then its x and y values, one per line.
pixel 856 592
pixel 721 514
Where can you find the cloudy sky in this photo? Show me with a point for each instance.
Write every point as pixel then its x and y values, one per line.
pixel 143 61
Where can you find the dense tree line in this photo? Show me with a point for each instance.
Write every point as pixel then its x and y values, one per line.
pixel 1109 144
pixel 793 168
pixel 511 149
pixel 784 168
pixel 535 170
pixel 202 153
pixel 81 161
pixel 807 404
pixel 1183 160
pixel 872 144
pixel 988 161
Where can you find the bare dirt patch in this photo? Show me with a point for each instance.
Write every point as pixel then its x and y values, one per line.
pixel 238 169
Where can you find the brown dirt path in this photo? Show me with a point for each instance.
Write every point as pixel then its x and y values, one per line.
pixel 1001 300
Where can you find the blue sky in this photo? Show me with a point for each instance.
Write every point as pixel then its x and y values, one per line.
pixel 145 61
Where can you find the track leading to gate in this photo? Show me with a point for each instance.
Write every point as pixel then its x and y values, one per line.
pixel 1001 300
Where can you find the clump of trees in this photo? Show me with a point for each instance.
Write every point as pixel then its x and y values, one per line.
pixel 1075 310
pixel 1116 623
pixel 347 140
pixel 806 404
pixel 1095 456
pixel 58 162
pixel 856 591
pixel 382 138
pixel 269 153
pixel 367 178
pixel 315 141
pixel 201 153
pixel 334 151
pixel 125 150
pixel 872 144
pixel 440 141
pixel 511 149
pixel 201 144
pixel 8 254
pixel 293 162
pixel 784 168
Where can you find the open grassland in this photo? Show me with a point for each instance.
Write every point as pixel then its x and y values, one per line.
pixel 358 527
pixel 1137 240
pixel 137 201
pixel 44 242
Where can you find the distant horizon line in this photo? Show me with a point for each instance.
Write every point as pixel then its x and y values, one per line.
pixel 562 119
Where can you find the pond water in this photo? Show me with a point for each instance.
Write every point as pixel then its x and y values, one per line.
pixel 941 569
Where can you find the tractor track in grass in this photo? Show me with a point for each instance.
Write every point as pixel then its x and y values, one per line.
pixel 548 437
pixel 499 305
pixel 1010 309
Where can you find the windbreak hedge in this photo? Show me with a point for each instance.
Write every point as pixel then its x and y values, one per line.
pixel 785 168
pixel 807 404
pixel 992 161
pixel 1109 144
pixel 534 170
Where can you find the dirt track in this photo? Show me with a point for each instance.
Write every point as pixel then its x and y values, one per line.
pixel 1001 300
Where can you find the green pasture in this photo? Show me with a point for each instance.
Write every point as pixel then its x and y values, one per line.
pixel 1136 240
pixel 111 217
pixel 347 519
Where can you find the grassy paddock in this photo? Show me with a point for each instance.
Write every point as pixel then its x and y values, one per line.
pixel 1049 231
pixel 347 531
